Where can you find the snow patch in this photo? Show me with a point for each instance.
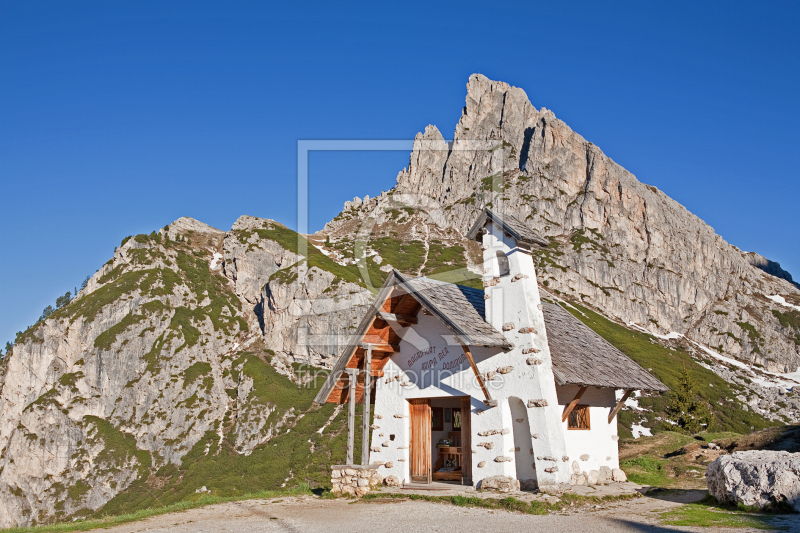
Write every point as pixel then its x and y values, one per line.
pixel 633 403
pixel 333 255
pixel 715 355
pixel 640 431
pixel 672 335
pixel 762 377
pixel 778 299
pixel 216 261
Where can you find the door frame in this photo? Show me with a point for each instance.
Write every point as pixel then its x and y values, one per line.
pixel 424 474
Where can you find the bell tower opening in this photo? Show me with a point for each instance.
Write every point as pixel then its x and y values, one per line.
pixel 502 264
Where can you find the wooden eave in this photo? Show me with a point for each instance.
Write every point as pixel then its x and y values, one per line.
pixel 375 331
pixel 396 302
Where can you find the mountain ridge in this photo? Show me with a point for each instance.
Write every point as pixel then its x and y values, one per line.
pixel 195 350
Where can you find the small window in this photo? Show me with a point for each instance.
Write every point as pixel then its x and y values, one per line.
pixel 502 264
pixel 579 418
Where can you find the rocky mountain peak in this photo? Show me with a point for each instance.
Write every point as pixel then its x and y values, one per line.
pixel 185 225
pixel 617 244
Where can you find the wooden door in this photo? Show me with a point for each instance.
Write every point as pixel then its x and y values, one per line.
pixel 420 440
pixel 466 440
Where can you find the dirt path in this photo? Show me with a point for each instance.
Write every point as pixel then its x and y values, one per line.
pixel 311 515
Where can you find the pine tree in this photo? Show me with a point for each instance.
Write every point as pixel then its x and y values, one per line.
pixel 686 407
pixel 47 312
pixel 61 301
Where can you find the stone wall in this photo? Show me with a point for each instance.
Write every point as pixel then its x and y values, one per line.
pixel 355 480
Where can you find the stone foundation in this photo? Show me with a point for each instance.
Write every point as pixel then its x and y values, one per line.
pixel 604 476
pixel 355 480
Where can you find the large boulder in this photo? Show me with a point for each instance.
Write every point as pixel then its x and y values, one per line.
pixel 756 479
pixel 499 484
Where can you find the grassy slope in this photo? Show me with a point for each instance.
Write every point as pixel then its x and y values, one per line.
pixel 710 513
pixel 666 364
pixel 285 459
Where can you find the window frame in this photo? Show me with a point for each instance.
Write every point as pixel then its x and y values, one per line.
pixel 581 413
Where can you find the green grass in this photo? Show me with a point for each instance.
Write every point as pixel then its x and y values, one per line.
pixel 185 505
pixel 719 435
pixel 107 338
pixel 293 241
pixel 580 239
pixel 196 371
pixel 666 364
pixel 646 470
pixel 118 446
pixel 790 320
pixel 709 513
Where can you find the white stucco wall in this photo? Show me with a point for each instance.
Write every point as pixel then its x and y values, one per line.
pixel 597 446
pixel 410 374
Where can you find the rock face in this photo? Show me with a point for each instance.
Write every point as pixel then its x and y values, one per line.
pixel 617 244
pixel 770 267
pixel 303 311
pixel 499 484
pixel 756 479
pixel 159 351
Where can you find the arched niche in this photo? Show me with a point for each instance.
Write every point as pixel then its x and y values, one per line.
pixel 504 269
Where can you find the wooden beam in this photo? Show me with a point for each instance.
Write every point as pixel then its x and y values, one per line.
pixel 381 347
pixel 477 374
pixel 619 405
pixel 402 319
pixel 374 339
pixel 365 418
pixel 351 415
pixel 573 403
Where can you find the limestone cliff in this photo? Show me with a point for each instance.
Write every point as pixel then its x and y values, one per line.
pixel 160 354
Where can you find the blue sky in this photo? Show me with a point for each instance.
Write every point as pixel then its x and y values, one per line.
pixel 118 117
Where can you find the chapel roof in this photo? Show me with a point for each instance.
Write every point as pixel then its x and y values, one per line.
pixel 579 355
pixel 516 229
pixel 582 357
pixel 462 308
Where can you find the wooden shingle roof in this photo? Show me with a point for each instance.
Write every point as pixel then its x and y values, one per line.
pixel 582 357
pixel 516 229
pixel 579 355
pixel 462 308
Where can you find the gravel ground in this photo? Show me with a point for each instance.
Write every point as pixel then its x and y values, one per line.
pixel 311 515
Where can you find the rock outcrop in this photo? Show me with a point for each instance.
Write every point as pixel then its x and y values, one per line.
pixel 763 479
pixel 770 267
pixel 153 355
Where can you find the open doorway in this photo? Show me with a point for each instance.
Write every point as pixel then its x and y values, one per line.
pixel 439 437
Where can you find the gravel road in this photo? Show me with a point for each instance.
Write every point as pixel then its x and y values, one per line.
pixel 311 515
